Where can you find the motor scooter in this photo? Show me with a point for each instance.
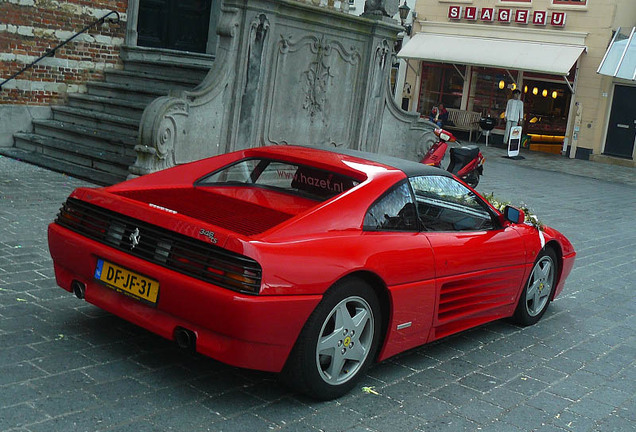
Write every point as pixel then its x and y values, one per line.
pixel 466 162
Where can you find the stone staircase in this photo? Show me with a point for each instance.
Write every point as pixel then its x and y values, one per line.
pixel 94 135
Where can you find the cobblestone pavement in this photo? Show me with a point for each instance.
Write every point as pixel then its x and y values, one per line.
pixel 67 366
pixel 558 163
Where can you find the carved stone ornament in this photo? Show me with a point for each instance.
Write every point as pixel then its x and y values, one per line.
pixel 387 8
pixel 259 27
pixel 318 75
pixel 316 80
pixel 228 24
pixel 162 126
pixel 382 53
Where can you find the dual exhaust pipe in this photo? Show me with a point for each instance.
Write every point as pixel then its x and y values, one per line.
pixel 185 339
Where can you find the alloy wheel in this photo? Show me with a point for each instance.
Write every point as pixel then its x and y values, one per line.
pixel 540 286
pixel 345 340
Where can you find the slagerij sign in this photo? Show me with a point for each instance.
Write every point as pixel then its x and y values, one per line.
pixel 518 16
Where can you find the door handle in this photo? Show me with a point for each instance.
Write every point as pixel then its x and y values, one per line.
pixel 624 126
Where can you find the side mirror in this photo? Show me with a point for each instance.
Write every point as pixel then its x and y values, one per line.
pixel 514 215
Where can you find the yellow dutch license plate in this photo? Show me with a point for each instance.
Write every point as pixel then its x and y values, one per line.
pixel 127 282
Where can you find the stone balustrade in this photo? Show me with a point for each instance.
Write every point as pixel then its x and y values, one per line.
pixel 339 5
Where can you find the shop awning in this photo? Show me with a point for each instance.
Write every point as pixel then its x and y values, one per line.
pixel 528 56
pixel 620 58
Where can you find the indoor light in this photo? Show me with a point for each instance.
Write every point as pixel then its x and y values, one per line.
pixel 554 94
pixel 514 86
pixel 525 89
pixel 544 93
pixel 502 84
pixel 535 91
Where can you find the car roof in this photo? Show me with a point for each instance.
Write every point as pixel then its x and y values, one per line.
pixel 409 168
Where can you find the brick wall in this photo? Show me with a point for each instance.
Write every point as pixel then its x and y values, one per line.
pixel 29 27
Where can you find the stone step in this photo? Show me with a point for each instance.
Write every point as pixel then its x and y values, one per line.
pixel 94 138
pixel 169 63
pixel 135 79
pixel 96 120
pixel 94 135
pixel 119 91
pixel 73 152
pixel 117 107
pixel 93 175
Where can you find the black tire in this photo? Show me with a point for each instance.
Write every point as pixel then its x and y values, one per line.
pixel 536 295
pixel 350 345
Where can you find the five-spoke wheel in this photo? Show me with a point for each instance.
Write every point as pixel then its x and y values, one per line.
pixel 345 340
pixel 536 296
pixel 339 341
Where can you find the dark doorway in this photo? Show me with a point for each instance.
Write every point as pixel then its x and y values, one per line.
pixel 181 25
pixel 621 131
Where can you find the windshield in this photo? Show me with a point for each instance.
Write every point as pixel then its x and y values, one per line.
pixel 310 182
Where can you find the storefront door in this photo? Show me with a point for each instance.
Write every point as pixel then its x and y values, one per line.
pixel 621 131
pixel 174 24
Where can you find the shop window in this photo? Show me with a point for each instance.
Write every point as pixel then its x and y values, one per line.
pixel 440 84
pixel 569 2
pixel 491 88
pixel 546 107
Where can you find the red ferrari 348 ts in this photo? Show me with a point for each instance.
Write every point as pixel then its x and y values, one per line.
pixel 304 261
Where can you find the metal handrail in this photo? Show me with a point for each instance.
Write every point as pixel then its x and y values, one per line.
pixel 50 52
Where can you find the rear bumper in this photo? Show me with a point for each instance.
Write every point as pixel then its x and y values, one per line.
pixel 255 332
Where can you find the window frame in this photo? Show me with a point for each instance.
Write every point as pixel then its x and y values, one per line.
pixel 580 3
pixel 263 165
pixel 392 189
pixel 494 217
pixel 441 90
pixel 419 224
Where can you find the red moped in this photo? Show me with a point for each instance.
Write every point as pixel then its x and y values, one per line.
pixel 466 162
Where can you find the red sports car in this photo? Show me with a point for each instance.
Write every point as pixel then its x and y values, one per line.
pixel 304 261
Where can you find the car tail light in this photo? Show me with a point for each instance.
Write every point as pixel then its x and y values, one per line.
pixel 167 248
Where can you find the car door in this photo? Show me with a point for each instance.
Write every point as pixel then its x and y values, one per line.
pixel 400 254
pixel 479 265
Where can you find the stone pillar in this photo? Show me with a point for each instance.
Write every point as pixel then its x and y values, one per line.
pixel 131 24
pixel 286 72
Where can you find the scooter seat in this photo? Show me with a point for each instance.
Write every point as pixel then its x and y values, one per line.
pixel 461 156
pixel 465 152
